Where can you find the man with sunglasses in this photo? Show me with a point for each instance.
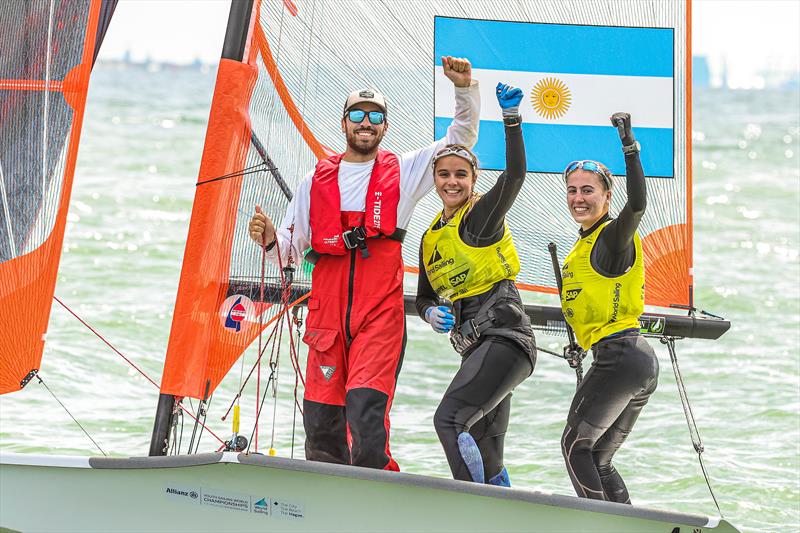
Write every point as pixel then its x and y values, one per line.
pixel 352 212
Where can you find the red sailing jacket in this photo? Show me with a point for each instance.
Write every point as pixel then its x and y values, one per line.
pixel 380 216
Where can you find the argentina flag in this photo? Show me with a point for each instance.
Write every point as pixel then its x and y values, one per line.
pixel 574 78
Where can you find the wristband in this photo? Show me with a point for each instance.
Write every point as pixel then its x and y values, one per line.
pixel 634 148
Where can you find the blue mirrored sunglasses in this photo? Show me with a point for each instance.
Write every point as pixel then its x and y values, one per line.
pixel 591 166
pixel 357 115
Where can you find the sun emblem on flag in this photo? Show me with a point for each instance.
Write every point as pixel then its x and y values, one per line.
pixel 551 98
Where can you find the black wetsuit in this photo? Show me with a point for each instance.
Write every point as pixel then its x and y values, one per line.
pixel 624 371
pixel 478 399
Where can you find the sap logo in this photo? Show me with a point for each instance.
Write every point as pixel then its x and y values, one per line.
pixel 572 294
pixel 458 279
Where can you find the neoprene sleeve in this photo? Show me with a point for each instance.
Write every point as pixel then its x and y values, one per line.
pixel 614 252
pixel 483 225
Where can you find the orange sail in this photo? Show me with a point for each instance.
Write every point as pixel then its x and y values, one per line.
pixel 48 49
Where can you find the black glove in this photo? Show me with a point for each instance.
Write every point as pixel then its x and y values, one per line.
pixel 622 121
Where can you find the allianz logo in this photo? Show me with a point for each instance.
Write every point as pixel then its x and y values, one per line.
pixel 189 493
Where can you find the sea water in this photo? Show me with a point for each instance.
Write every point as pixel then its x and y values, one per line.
pixel 134 185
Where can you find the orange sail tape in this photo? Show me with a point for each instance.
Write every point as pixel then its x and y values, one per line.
pixel 319 150
pixel 27 282
pixel 201 349
pixel 689 160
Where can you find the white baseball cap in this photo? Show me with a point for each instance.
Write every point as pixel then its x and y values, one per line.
pixel 365 95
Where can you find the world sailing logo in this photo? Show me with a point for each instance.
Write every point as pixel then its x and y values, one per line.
pixel 235 310
pixel 261 506
pixel 435 256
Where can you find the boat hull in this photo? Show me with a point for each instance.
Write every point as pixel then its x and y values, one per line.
pixel 236 492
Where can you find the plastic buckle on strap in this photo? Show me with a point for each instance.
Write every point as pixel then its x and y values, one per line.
pixel 356 238
pixel 353 237
pixel 471 329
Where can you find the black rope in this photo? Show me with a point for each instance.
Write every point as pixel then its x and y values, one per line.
pixel 39 377
pixel 694 432
pixel 270 166
pixel 196 423
pixel 204 411
pixel 260 167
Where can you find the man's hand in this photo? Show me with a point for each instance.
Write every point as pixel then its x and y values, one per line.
pixel 622 121
pixel 458 70
pixel 261 228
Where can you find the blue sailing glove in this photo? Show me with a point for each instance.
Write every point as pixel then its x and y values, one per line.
pixel 440 318
pixel 509 99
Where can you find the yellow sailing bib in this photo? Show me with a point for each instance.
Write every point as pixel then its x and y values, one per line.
pixel 457 270
pixel 595 305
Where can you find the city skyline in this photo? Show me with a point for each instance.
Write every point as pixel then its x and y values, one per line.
pixel 740 40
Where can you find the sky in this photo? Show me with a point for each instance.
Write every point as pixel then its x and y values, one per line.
pixel 745 36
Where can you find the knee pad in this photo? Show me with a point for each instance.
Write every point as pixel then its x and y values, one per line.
pixel 471 455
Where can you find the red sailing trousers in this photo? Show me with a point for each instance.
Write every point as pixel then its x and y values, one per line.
pixel 356 337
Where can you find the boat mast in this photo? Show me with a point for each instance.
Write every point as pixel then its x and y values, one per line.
pixel 233 48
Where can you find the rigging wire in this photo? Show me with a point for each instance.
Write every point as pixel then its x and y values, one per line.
pixel 299 323
pixel 694 432
pixel 127 360
pixel 258 167
pixel 41 381
pixel 205 409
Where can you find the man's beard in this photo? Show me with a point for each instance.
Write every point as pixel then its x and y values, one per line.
pixel 352 142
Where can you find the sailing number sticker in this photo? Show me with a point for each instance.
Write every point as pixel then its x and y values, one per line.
pixel 234 501
pixel 235 310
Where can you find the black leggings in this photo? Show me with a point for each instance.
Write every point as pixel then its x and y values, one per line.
pixel 606 405
pixel 478 400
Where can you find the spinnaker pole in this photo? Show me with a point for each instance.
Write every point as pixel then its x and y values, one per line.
pixel 233 48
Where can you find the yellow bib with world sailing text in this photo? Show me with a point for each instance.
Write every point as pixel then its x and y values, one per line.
pixel 595 305
pixel 457 270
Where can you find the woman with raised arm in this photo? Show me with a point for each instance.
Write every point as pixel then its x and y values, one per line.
pixel 602 297
pixel 467 257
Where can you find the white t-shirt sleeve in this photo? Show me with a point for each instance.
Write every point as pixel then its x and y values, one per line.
pixel 299 239
pixel 416 173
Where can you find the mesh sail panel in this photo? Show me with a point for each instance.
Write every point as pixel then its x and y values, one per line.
pixel 41 43
pixel 47 53
pixel 308 63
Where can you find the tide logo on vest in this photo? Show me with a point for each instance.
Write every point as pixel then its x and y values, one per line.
pixel 376 210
